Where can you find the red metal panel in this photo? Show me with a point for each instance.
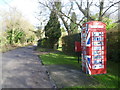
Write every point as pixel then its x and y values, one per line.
pixel 77 46
pixel 93 43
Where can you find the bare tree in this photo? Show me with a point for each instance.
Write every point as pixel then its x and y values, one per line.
pixel 101 6
pixel 84 8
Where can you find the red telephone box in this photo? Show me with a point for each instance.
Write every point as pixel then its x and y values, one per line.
pixel 93 43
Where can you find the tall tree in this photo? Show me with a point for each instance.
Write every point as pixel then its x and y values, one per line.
pixel 58 10
pixel 73 26
pixel 52 30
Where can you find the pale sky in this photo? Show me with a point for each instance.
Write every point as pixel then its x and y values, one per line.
pixel 28 8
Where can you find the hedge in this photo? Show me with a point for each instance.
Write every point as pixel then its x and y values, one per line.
pixel 113 44
pixel 68 43
pixel 46 43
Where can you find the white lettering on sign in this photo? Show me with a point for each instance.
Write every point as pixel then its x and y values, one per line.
pixel 98 48
pixel 99 66
pixel 97 38
pixel 98 62
pixel 97 34
pixel 97 52
pixel 96 26
pixel 98 57
pixel 97 43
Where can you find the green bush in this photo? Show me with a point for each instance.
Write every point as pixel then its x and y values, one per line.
pixel 68 43
pixel 42 42
pixel 113 44
pixel 46 43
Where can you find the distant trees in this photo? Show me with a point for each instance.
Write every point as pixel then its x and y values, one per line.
pixel 88 10
pixel 15 36
pixel 16 29
pixel 109 23
pixel 74 13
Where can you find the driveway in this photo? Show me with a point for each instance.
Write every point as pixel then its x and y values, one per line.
pixel 21 68
pixel 66 76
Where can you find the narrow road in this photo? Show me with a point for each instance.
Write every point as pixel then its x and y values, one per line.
pixel 21 68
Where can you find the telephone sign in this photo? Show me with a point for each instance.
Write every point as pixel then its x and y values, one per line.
pixel 93 43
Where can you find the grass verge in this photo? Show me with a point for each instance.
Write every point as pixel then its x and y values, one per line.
pixel 59 59
pixel 109 80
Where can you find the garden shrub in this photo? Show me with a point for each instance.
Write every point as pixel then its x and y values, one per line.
pixel 42 42
pixel 46 43
pixel 68 43
pixel 113 44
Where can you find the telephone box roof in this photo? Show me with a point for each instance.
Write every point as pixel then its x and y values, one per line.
pixel 95 24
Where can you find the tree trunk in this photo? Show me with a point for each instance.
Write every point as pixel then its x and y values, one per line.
pixel 88 11
pixel 101 10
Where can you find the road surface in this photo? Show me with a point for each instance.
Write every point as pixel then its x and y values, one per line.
pixel 21 68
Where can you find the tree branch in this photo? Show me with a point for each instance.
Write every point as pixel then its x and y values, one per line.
pixel 72 20
pixel 91 3
pixel 70 9
pixel 110 7
pixel 101 10
pixel 113 12
pixel 83 11
pixel 97 5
